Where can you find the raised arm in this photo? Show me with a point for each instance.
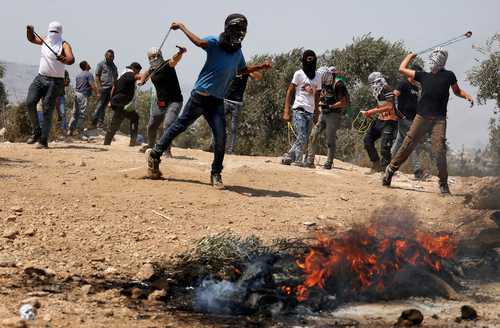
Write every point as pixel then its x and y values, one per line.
pixel 191 36
pixel 67 56
pixel 289 93
pixel 462 94
pixel 177 57
pixel 30 35
pixel 403 68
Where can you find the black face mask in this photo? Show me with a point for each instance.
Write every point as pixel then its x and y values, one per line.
pixel 235 29
pixel 309 61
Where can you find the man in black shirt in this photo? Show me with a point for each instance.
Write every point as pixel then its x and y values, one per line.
pixel 333 101
pixel 407 93
pixel 431 114
pixel 233 101
pixel 121 96
pixel 168 93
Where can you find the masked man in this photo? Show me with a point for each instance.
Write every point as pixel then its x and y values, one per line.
pixel 333 101
pixel 431 114
pixel 49 83
pixel 224 61
pixel 385 124
pixel 306 85
pixel 168 92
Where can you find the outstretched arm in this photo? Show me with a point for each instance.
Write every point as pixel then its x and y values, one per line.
pixel 462 94
pixel 385 107
pixel 256 68
pixel 191 36
pixel 403 68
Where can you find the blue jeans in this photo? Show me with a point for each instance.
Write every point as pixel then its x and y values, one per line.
pixel 49 89
pixel 102 103
pixel 61 112
pixel 302 123
pixel 212 110
pixel 79 110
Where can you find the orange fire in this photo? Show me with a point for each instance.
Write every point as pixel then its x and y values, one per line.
pixel 370 254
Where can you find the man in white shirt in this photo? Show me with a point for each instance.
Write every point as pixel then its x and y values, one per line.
pixel 49 83
pixel 306 85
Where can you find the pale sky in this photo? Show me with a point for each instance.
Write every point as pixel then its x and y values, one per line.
pixel 131 27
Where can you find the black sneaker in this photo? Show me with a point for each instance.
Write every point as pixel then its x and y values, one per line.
pixel 419 174
pixel 327 166
pixel 153 164
pixel 216 181
pixel 286 161
pixel 387 179
pixel 444 188
pixel 33 139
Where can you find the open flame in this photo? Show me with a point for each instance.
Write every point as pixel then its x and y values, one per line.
pixel 370 256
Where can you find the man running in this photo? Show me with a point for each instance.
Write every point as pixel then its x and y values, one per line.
pixel 106 74
pixel 224 61
pixel 333 101
pixel 49 83
pixel 121 97
pixel 233 102
pixel 431 114
pixel 168 93
pixel 385 124
pixel 84 85
pixel 407 93
pixel 306 85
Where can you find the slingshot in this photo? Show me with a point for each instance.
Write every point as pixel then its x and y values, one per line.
pixel 45 43
pixel 165 38
pixel 447 43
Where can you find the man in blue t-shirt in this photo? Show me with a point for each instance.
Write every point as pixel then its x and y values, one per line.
pixel 224 61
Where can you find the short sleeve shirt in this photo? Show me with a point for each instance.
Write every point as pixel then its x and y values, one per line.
pixel 219 70
pixel 305 90
pixel 167 85
pixel 83 83
pixel 108 72
pixel 435 92
pixel 124 90
pixel 237 88
pixel 387 95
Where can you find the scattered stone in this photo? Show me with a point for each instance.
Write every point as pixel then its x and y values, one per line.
pixel 108 313
pixel 146 272
pixel 110 271
pixel 33 301
pixel 7 262
pixel 322 217
pixel 309 224
pixel 345 199
pixel 10 233
pixel 82 163
pixel 11 218
pixel 13 323
pixel 87 290
pixel 435 317
pixel 157 295
pixel 16 209
pixel 135 293
pixel 468 313
pixel 47 317
pixel 30 232
pixel 38 294
pixel 409 318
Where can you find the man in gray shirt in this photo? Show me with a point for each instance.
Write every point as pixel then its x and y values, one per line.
pixel 84 84
pixel 106 75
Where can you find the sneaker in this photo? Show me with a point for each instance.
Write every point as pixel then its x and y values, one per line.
pixel 34 138
pixel 153 164
pixel 286 161
pixel 42 146
pixel 144 148
pixel 419 174
pixel 389 173
pixel 327 166
pixel 216 181
pixel 310 165
pixel 444 189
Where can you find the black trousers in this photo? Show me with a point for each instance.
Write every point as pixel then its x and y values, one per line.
pixel 386 131
pixel 119 114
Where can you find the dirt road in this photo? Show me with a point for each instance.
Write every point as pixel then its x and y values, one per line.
pixel 81 209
